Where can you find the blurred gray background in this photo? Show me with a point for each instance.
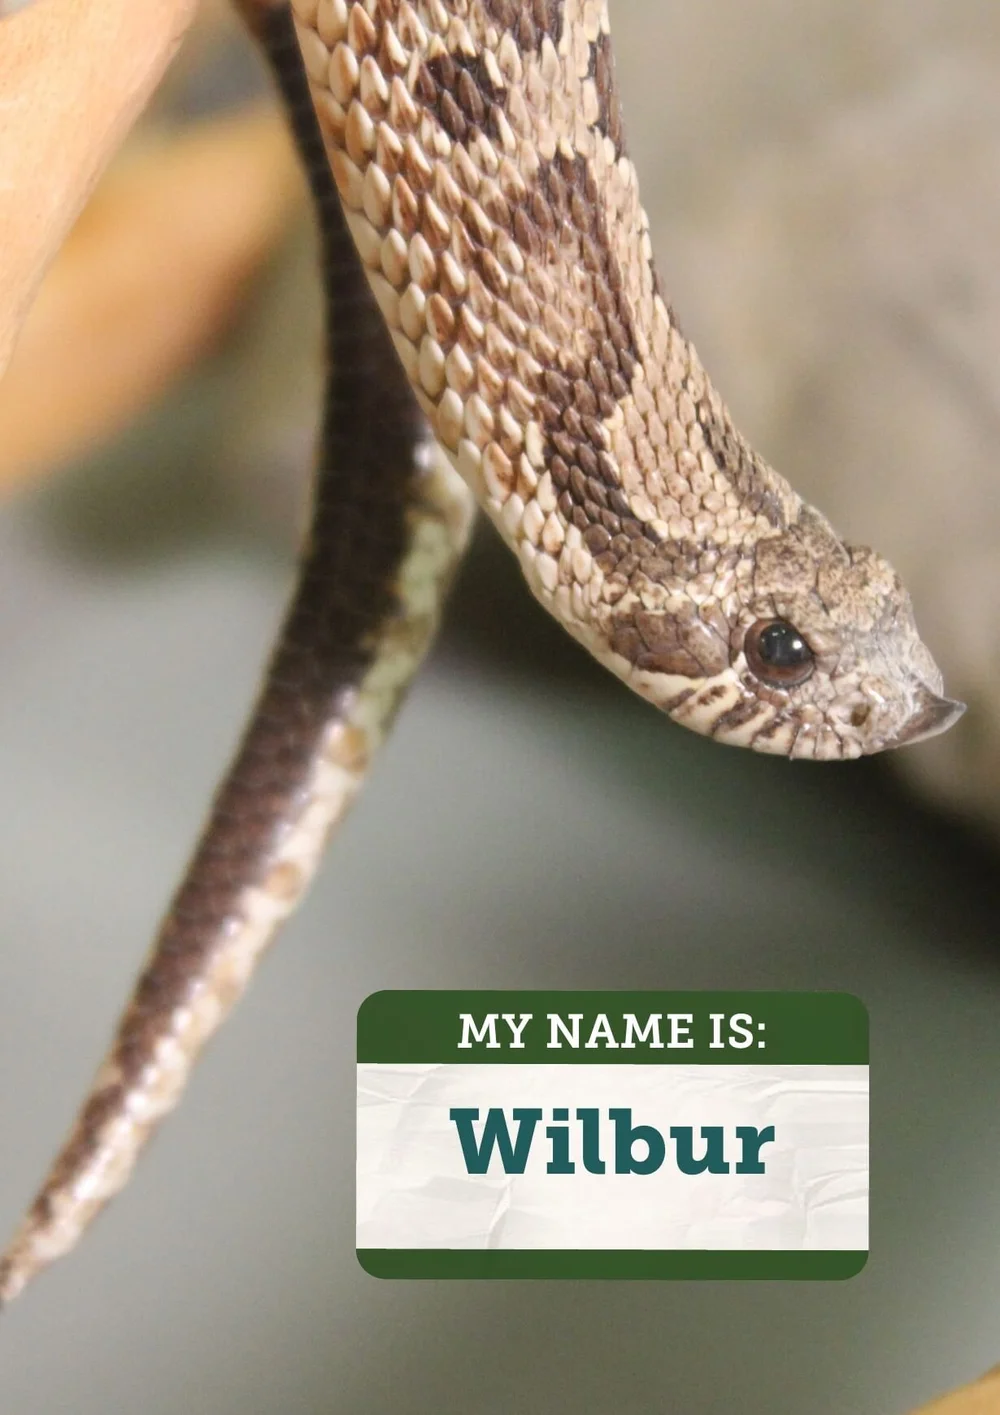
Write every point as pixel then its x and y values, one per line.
pixel 823 178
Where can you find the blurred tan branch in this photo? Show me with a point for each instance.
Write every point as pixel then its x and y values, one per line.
pixel 981 1398
pixel 155 268
pixel 149 279
pixel 74 75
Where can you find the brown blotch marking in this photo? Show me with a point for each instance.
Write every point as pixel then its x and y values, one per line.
pixel 528 20
pixel 609 117
pixel 769 729
pixel 460 92
pixel 682 645
pixel 562 223
pixel 596 539
pixel 495 278
pixel 740 463
pixel 526 233
pixel 558 225
pixel 736 716
pixel 425 86
pixel 451 116
pixel 673 557
pixel 672 704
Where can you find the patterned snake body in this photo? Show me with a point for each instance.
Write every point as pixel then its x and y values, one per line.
pixel 478 152
pixel 512 317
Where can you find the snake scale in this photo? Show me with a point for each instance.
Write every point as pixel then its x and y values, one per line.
pixel 497 334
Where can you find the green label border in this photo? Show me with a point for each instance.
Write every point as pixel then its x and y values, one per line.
pixel 636 1264
pixel 799 1028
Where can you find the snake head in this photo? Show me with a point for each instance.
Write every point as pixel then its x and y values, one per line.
pixel 813 653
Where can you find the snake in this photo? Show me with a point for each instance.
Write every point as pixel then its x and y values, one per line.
pixel 497 336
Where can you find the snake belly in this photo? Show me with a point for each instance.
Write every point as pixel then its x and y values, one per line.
pixel 489 271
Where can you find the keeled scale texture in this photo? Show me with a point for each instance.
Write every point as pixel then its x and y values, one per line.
pixel 477 147
pixel 478 152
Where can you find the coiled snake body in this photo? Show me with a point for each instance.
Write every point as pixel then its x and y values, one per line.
pixel 511 346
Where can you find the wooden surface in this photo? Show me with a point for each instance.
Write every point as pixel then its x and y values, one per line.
pixel 150 278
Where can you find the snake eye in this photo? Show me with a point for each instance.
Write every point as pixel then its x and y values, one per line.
pixel 777 653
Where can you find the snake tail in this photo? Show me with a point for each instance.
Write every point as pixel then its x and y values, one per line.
pixel 389 526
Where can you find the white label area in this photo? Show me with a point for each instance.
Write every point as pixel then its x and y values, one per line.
pixel 613 1156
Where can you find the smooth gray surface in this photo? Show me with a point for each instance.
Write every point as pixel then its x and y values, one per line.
pixel 509 837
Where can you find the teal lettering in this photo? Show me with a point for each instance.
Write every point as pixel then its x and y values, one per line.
pixel 560 1163
pixel 714 1157
pixel 513 1157
pixel 590 1122
pixel 753 1140
pixel 626 1135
